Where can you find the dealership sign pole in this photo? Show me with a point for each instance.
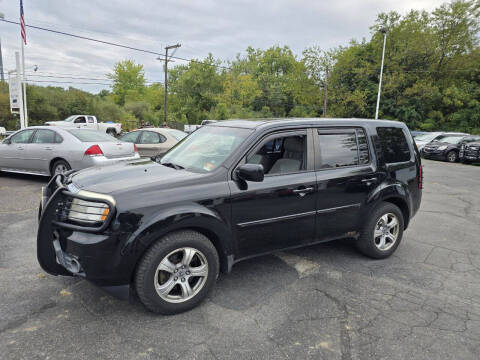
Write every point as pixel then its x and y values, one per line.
pixel 15 89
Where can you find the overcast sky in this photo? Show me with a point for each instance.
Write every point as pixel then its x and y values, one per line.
pixel 223 28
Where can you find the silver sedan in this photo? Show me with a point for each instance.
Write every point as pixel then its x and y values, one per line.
pixel 44 150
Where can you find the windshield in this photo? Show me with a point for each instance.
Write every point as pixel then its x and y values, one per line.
pixel 426 137
pixel 449 139
pixel 91 135
pixel 70 118
pixel 177 134
pixel 472 139
pixel 206 149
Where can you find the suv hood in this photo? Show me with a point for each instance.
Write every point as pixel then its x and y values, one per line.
pixel 129 175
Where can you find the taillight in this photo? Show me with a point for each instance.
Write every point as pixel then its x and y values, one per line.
pixel 135 148
pixel 420 177
pixel 94 150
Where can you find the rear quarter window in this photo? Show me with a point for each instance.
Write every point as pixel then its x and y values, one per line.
pixel 393 144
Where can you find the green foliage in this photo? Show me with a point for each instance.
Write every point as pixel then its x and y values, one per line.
pixel 431 80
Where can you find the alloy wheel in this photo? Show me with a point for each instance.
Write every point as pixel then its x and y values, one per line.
pixel 60 169
pixel 386 231
pixel 181 275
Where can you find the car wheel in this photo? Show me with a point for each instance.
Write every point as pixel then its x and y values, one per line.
pixel 111 132
pixel 59 167
pixel 452 156
pixel 383 232
pixel 177 272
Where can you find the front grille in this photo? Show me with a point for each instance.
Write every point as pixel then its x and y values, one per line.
pixel 472 151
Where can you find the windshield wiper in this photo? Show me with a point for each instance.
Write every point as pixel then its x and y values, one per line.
pixel 172 165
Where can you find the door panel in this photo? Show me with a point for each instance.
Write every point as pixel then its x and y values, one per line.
pixel 272 214
pixel 345 177
pixel 14 155
pixel 278 212
pixel 42 149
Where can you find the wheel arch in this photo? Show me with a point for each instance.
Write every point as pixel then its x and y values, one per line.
pixel 396 194
pixel 205 222
pixel 50 165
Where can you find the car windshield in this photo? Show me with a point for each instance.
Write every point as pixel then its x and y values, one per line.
pixel 426 137
pixel 70 118
pixel 472 139
pixel 90 135
pixel 205 149
pixel 177 134
pixel 450 139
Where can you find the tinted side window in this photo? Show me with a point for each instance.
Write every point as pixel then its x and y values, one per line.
pixel 44 137
pixel 363 153
pixel 394 144
pixel 22 137
pixel 130 137
pixel 338 150
pixel 281 155
pixel 150 137
pixel 80 120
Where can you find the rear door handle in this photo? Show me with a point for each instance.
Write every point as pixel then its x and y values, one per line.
pixel 303 191
pixel 369 181
pixel 48 148
pixel 20 147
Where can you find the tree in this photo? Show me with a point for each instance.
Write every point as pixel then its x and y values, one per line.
pixel 128 81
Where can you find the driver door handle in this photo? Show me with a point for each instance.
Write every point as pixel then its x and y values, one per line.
pixel 48 148
pixel 302 191
pixel 369 181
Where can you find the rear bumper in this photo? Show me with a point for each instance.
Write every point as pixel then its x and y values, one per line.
pixel 95 256
pixel 89 161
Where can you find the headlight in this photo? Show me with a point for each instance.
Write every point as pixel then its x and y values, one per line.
pixel 443 147
pixel 88 211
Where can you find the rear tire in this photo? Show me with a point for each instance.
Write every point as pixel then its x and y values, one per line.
pixel 177 272
pixel 111 132
pixel 452 156
pixel 59 167
pixel 380 236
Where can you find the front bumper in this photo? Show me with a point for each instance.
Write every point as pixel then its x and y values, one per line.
pixel 70 250
pixel 433 154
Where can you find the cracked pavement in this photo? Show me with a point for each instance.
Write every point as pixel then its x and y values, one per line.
pixel 320 302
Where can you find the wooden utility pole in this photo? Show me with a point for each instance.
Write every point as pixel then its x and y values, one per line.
pixel 166 80
pixel 325 92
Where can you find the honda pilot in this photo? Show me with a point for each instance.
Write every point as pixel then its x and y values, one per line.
pixel 232 190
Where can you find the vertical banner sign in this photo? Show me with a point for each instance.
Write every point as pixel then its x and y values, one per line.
pixel 15 94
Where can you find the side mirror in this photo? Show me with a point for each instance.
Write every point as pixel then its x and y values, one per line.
pixel 7 141
pixel 250 172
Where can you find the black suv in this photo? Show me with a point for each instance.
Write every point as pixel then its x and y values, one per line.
pixel 470 149
pixel 230 191
pixel 445 147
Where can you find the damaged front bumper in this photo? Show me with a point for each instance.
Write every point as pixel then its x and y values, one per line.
pixel 70 249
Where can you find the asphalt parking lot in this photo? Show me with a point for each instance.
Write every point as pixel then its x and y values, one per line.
pixel 321 302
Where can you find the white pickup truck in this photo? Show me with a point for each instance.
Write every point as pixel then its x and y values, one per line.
pixel 88 122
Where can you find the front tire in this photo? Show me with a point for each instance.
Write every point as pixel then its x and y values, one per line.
pixel 177 272
pixel 383 232
pixel 452 156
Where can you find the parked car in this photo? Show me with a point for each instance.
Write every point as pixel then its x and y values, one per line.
pixel 416 133
pixel 470 149
pixel 43 150
pixel 3 132
pixel 445 147
pixel 228 192
pixel 88 122
pixel 153 141
pixel 423 140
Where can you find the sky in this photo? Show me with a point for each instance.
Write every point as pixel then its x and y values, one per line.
pixel 223 28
